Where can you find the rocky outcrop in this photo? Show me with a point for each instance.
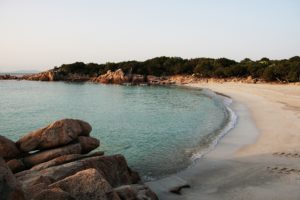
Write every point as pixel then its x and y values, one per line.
pixel 136 79
pixel 56 134
pixel 155 80
pixel 16 165
pixel 65 159
pixel 113 168
pixel 8 77
pixel 43 76
pixel 110 77
pixel 10 189
pixel 88 144
pixel 8 148
pixel 53 194
pixel 87 184
pixel 61 167
pixel 117 77
pixel 46 155
pixel 54 75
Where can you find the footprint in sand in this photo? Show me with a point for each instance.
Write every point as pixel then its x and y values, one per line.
pixel 288 155
pixel 283 170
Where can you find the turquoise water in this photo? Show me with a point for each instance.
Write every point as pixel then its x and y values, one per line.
pixel 157 128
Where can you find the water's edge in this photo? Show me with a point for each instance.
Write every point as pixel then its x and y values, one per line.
pixel 229 124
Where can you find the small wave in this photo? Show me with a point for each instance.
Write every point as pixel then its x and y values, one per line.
pixel 232 119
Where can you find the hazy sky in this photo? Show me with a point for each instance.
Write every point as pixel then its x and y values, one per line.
pixel 40 34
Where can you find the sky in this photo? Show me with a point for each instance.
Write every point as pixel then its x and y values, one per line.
pixel 41 34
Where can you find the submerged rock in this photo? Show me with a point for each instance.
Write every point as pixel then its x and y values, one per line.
pixel 177 189
pixel 8 148
pixel 56 134
pixel 135 191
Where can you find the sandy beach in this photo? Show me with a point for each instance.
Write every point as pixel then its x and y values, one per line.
pixel 258 159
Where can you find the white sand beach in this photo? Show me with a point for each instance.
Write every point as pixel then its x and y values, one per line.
pixel 258 159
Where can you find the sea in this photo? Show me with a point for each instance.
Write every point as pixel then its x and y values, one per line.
pixel 159 130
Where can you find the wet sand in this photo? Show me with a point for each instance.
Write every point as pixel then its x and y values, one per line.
pixel 258 159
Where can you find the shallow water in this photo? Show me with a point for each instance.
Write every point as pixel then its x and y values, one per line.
pixel 157 128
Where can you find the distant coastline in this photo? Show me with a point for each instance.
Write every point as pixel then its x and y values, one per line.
pixel 168 70
pixel 19 72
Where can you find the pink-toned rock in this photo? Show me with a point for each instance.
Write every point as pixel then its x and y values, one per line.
pixel 87 184
pixel 8 148
pixel 88 143
pixel 56 161
pixel 46 155
pixel 53 194
pixel 117 77
pixel 56 134
pixel 64 159
pixel 43 76
pixel 39 184
pixel 113 168
pixel 84 177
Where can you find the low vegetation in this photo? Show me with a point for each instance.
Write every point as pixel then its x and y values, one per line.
pixel 286 70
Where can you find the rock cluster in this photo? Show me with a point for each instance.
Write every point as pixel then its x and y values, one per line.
pixel 186 79
pixel 55 162
pixel 8 77
pixel 110 77
pixel 163 80
pixel 117 77
pixel 43 76
pixel 53 75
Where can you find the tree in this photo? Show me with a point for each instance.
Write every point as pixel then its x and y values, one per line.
pixel 270 70
pixel 268 74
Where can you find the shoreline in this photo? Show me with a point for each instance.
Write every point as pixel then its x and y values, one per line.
pixel 246 163
pixel 230 124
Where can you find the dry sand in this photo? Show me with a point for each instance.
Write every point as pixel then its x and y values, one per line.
pixel 258 159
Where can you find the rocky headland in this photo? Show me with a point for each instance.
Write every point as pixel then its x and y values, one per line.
pixel 121 78
pixel 162 70
pixel 110 77
pixel 58 162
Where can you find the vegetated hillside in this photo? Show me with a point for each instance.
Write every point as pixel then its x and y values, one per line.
pixel 287 70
